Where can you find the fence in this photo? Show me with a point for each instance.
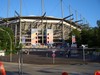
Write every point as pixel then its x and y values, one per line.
pixel 57 55
pixel 68 54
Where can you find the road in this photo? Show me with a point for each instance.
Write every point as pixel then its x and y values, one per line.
pixel 72 69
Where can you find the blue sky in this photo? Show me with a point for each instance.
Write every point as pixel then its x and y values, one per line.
pixel 88 9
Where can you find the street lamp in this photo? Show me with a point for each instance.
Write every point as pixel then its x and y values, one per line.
pixel 20 60
pixel 83 52
pixel 10 43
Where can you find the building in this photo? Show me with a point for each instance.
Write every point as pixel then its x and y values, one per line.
pixel 40 31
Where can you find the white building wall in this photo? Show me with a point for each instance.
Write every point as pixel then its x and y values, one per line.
pixel 34 37
pixel 49 36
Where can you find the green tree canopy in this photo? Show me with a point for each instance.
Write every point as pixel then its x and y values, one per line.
pixel 77 36
pixel 5 39
pixel 98 23
pixel 89 36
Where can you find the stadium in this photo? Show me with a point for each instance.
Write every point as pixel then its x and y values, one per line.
pixel 40 31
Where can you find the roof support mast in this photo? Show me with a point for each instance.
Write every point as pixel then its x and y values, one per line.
pixel 62 12
pixel 8 7
pixel 20 19
pixel 42 6
pixel 70 17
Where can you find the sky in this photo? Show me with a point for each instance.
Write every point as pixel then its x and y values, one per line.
pixel 87 10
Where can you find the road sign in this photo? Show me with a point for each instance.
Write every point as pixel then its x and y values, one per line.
pixel 53 55
pixel 23 39
pixel 53 51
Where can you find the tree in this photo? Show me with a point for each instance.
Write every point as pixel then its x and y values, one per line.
pixel 77 36
pixel 6 38
pixel 98 23
pixel 98 29
pixel 85 26
pixel 89 36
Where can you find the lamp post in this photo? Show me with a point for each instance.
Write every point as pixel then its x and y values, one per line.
pixel 10 43
pixel 83 53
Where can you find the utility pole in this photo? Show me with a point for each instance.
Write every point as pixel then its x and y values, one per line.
pixel 20 53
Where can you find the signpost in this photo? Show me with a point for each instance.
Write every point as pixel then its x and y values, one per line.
pixel 23 39
pixel 53 55
pixel 21 57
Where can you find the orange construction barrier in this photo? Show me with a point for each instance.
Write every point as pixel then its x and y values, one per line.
pixel 97 72
pixel 64 73
pixel 2 70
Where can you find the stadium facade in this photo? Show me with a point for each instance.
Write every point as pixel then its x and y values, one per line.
pixel 40 31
